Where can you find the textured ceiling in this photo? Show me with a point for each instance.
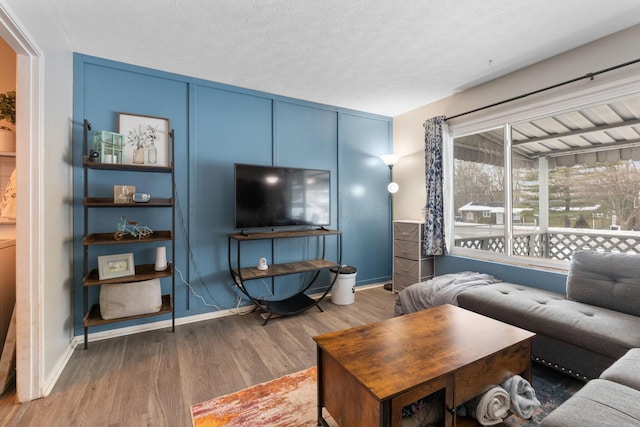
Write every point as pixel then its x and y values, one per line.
pixel 380 56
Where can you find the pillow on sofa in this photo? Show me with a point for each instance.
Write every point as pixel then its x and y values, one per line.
pixel 130 299
pixel 605 279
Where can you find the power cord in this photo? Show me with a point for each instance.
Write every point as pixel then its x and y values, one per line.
pixel 201 298
pixel 192 260
pixel 194 264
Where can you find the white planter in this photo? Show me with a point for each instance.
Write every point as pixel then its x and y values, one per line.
pixel 7 141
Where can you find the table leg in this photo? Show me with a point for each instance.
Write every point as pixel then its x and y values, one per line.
pixel 449 402
pixel 321 421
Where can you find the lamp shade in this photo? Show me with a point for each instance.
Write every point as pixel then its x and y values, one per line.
pixel 390 159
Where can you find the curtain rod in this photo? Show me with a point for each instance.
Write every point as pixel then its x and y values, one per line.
pixel 586 76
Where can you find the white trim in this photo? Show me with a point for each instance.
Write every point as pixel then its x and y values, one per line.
pixel 508 191
pixel 447 186
pixel 47 386
pixel 162 324
pixel 618 84
pixel 519 261
pixel 29 280
pixel 621 83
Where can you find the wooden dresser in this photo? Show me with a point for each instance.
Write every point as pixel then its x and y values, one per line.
pixel 410 265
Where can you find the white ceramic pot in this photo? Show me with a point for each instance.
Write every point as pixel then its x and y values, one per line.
pixel 7 141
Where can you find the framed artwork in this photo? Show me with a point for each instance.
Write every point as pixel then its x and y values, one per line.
pixel 123 193
pixel 146 139
pixel 118 265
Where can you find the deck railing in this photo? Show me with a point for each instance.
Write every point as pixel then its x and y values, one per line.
pixel 557 243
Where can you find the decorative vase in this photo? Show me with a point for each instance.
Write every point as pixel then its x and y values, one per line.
pixel 161 259
pixel 7 141
pixel 152 153
pixel 138 156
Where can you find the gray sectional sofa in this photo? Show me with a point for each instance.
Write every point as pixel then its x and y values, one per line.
pixel 582 332
pixel 611 400
pixel 592 331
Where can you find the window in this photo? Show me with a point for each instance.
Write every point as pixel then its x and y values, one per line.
pixel 573 182
pixel 479 190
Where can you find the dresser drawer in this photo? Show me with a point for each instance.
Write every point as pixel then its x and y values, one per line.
pixel 400 282
pixel 406 249
pixel 406 267
pixel 409 267
pixel 407 231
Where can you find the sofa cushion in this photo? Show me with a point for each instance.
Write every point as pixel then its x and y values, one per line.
pixel 605 279
pixel 625 370
pixel 598 403
pixel 548 313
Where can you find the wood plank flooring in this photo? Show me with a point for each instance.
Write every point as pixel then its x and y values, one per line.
pixel 152 378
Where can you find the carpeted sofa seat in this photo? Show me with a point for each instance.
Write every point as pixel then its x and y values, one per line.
pixel 611 400
pixel 587 330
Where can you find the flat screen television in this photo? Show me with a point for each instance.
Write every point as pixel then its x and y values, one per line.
pixel 274 196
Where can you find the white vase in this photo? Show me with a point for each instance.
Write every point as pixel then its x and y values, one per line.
pixel 161 258
pixel 7 141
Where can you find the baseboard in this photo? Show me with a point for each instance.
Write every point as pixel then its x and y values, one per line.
pixel 50 382
pixel 130 330
pixel 78 340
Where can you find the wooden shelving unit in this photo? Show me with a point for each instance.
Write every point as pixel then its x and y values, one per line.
pixel 92 315
pixel 101 202
pixel 143 272
pixel 109 239
pixel 94 318
pixel 298 302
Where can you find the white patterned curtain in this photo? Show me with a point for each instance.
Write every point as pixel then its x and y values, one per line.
pixel 434 239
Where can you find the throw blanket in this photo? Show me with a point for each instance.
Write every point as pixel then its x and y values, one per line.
pixel 439 291
pixel 491 407
pixel 523 396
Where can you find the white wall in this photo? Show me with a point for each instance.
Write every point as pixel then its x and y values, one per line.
pixel 46 184
pixel 408 132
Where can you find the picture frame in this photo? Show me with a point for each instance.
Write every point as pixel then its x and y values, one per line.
pixel 117 265
pixel 146 139
pixel 123 193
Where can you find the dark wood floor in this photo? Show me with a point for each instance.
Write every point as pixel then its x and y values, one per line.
pixel 152 378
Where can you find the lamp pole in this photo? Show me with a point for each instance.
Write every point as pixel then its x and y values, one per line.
pixel 390 160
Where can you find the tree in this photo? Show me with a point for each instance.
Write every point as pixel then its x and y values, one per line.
pixel 616 187
pixel 477 182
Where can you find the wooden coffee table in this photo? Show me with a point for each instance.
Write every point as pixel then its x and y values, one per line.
pixel 367 374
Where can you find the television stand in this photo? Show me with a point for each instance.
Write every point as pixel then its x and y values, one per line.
pixel 300 301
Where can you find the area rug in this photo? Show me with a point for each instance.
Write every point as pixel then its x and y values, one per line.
pixel 552 389
pixel 291 401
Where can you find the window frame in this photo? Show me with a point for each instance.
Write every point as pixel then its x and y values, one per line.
pixel 618 84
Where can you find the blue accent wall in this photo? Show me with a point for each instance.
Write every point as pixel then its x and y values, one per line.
pixel 216 126
pixel 536 278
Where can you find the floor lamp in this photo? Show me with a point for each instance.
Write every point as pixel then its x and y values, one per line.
pixel 390 160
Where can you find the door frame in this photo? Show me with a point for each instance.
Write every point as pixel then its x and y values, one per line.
pixel 29 249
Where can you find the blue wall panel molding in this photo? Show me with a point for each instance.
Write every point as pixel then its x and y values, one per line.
pixel 216 126
pixel 364 201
